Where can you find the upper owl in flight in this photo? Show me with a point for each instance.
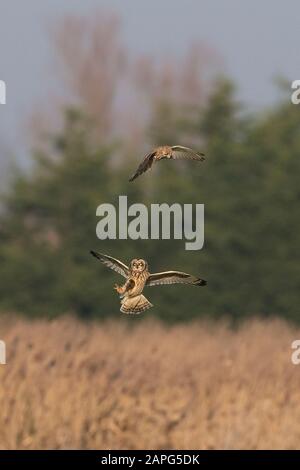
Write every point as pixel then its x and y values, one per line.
pixel 176 152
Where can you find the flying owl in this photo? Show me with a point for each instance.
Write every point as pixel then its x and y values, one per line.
pixel 137 277
pixel 176 152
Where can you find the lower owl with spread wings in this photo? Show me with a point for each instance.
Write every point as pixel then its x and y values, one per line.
pixel 137 277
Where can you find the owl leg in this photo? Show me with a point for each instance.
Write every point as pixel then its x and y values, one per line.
pixel 120 289
pixel 123 289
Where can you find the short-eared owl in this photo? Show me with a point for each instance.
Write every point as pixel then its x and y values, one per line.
pixel 175 152
pixel 137 277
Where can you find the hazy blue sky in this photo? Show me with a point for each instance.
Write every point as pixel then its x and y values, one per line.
pixel 257 40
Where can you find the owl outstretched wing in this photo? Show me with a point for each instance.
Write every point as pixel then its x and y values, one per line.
pixel 185 153
pixel 112 263
pixel 144 166
pixel 174 277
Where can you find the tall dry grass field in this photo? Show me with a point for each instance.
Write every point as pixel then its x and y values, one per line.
pixel 72 385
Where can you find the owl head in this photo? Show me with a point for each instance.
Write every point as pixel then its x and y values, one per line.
pixel 138 265
pixel 163 152
pixel 166 151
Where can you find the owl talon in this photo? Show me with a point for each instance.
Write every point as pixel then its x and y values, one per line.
pixel 119 289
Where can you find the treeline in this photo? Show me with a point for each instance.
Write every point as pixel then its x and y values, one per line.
pixel 249 185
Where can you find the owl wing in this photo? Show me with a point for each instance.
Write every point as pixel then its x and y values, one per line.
pixel 184 153
pixel 112 263
pixel 144 166
pixel 173 277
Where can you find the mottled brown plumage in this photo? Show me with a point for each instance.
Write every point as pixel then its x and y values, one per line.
pixel 175 152
pixel 138 277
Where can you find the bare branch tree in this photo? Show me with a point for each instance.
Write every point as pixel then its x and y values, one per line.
pixel 93 61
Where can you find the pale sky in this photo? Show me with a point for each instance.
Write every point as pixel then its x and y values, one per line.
pixel 257 40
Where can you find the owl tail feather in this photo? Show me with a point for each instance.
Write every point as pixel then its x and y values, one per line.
pixel 135 305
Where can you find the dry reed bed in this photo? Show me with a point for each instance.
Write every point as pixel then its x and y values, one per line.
pixel 73 385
